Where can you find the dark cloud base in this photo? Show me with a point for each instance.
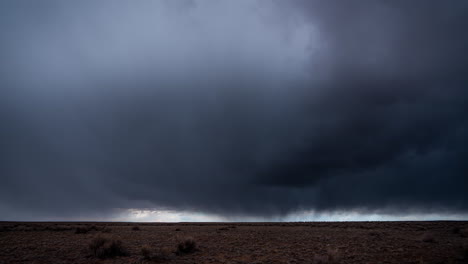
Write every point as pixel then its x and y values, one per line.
pixel 380 121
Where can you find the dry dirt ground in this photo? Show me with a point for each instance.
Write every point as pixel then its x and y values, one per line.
pixel 312 242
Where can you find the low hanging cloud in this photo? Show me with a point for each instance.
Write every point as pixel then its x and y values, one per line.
pixel 234 108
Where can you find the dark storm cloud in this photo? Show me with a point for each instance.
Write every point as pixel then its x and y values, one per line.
pixel 240 107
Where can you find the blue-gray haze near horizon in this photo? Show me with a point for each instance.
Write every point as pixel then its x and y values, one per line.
pixel 255 108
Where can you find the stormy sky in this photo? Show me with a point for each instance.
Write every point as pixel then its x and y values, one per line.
pixel 233 109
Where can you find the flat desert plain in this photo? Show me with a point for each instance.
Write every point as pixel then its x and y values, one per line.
pixel 303 242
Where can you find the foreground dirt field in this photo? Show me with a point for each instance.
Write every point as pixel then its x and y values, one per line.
pixel 357 242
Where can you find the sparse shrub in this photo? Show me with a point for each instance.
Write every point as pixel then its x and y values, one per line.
pixel 456 230
pixel 102 247
pixel 136 228
pixel 20 228
pixel 106 230
pixel 28 228
pixel 160 254
pixel 187 245
pixel 146 252
pixel 81 230
pixel 58 228
pixel 177 229
pixel 428 238
pixel 115 249
pixel 96 244
pixel 332 257
pixel 463 232
pixel 320 259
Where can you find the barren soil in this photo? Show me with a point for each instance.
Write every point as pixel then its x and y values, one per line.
pixel 315 242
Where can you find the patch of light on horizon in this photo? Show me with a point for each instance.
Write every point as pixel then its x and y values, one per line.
pixel 340 216
pixel 136 215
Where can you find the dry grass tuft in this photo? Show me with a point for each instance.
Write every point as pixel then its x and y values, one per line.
pixel 103 247
pixel 81 230
pixel 146 252
pixel 106 230
pixel 428 238
pixel 161 254
pixel 186 245
pixel 332 257
pixel 463 232
pixel 56 228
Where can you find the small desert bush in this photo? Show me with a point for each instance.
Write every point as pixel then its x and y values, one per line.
pixel 136 228
pixel 159 254
pixel 428 238
pixel 186 245
pixel 106 230
pixel 28 228
pixel 146 252
pixel 58 228
pixel 102 247
pixel 331 257
pixel 97 243
pixel 456 230
pixel 81 230
pixel 463 232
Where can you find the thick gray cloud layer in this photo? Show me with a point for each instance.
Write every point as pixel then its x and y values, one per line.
pixel 232 107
